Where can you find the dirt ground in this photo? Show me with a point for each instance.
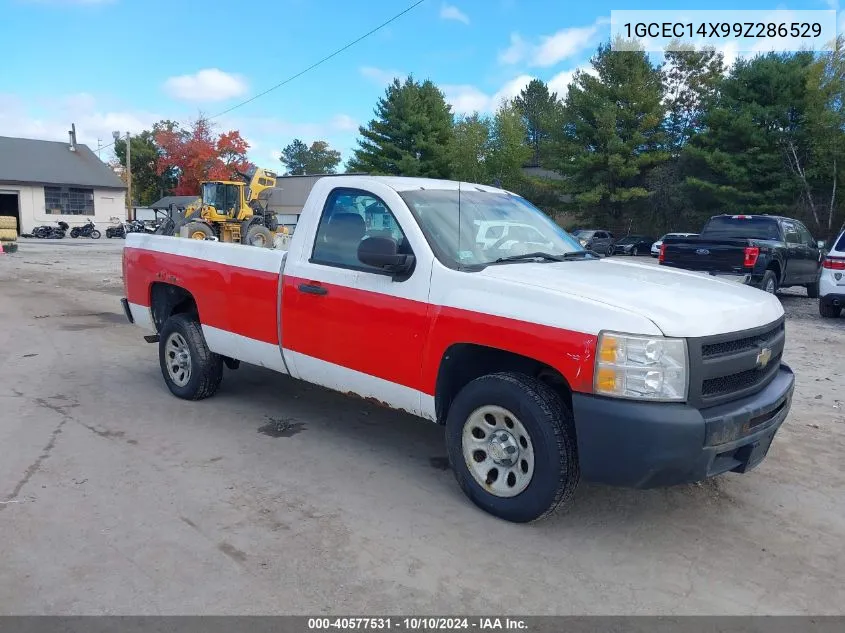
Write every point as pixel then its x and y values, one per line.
pixel 117 498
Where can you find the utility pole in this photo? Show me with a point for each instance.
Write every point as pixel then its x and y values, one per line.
pixel 99 145
pixel 129 177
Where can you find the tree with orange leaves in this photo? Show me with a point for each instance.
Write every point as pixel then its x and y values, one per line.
pixel 198 154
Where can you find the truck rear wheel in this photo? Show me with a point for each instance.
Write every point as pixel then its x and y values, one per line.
pixel 259 235
pixel 770 282
pixel 190 370
pixel 511 445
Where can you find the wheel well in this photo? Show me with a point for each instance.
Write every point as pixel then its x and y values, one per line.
pixel 464 362
pixel 167 300
pixel 774 266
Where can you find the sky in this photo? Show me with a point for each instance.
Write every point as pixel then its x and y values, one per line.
pixel 123 64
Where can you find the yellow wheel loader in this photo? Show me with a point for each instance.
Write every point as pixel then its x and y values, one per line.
pixel 232 211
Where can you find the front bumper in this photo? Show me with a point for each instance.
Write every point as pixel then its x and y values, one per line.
pixel 749 279
pixel 648 445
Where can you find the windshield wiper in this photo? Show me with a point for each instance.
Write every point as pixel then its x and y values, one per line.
pixel 540 255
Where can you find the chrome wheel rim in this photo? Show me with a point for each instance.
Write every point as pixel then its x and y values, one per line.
pixel 498 451
pixel 177 355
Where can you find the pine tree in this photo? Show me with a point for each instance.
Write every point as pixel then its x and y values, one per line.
pixel 756 139
pixel 537 107
pixel 410 135
pixel 611 133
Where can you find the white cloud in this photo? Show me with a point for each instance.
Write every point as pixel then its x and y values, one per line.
pixel 560 82
pixel 451 12
pixel 209 84
pixel 380 76
pixel 24 119
pixel 344 123
pixel 551 49
pixel 466 99
pixel 511 89
pixel 516 52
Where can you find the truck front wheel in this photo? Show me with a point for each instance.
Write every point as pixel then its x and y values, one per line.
pixel 190 369
pixel 511 445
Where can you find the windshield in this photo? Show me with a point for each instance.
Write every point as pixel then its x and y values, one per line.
pixel 630 239
pixel 466 239
pixel 742 228
pixel 583 233
pixel 209 193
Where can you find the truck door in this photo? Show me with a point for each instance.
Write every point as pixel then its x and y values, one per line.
pixel 812 257
pixel 795 265
pixel 350 327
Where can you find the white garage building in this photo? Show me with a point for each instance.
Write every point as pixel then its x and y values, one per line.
pixel 43 182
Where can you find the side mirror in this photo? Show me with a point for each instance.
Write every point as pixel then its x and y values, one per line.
pixel 381 252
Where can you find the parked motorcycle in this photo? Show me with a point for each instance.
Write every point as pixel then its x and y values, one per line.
pixel 119 230
pixel 86 230
pixel 48 232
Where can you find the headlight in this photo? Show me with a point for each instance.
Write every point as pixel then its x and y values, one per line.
pixel 641 367
pixel 583 241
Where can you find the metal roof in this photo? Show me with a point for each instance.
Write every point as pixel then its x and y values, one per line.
pixel 24 160
pixel 180 201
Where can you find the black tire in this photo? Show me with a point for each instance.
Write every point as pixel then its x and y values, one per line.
pixel 829 311
pixel 550 426
pixel 74 232
pixel 195 228
pixel 609 251
pixel 95 234
pixel 769 283
pixel 261 235
pixel 813 290
pixel 271 221
pixel 206 367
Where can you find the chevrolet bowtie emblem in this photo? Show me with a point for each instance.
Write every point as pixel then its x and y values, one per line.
pixel 764 357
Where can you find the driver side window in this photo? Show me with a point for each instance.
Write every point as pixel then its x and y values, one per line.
pixel 806 237
pixel 349 218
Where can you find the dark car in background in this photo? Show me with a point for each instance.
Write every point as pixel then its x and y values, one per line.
pixel 633 245
pixel 765 251
pixel 597 240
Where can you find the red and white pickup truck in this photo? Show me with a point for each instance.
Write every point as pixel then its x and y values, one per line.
pixel 544 366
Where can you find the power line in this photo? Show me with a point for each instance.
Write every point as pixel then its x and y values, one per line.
pixel 312 66
pixel 325 59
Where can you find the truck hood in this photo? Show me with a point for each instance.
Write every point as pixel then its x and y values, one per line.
pixel 679 303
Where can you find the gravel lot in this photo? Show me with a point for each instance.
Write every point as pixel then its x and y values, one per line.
pixel 116 497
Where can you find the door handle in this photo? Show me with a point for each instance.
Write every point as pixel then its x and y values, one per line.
pixel 312 289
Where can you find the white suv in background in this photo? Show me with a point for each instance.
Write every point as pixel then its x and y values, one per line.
pixel 655 248
pixel 832 282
